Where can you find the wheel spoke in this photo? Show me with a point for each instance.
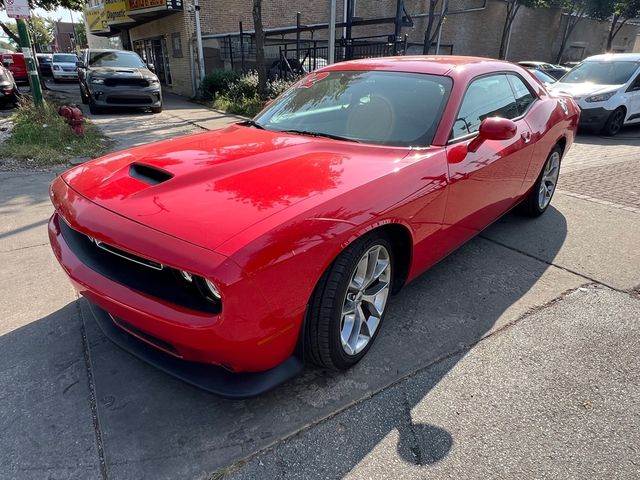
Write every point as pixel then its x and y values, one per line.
pixel 376 298
pixel 359 276
pixel 348 324
pixel 372 261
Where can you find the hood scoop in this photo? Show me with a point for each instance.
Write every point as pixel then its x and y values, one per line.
pixel 148 174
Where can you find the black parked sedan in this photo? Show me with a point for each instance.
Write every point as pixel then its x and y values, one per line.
pixel 45 61
pixel 117 78
pixel 555 71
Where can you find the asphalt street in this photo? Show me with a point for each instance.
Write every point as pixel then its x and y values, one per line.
pixel 515 357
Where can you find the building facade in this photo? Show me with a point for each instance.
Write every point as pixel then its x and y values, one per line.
pixel 163 31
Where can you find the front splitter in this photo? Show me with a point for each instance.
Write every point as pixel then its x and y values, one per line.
pixel 211 378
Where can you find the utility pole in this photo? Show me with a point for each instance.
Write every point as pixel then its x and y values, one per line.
pixel 196 6
pixel 332 33
pixel 34 80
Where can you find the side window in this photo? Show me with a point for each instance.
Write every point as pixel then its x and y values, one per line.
pixel 635 86
pixel 486 97
pixel 524 97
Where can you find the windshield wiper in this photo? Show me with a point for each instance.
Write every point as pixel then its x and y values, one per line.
pixel 320 134
pixel 252 123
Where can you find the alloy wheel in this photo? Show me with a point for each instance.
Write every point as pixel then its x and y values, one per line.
pixel 549 180
pixel 365 300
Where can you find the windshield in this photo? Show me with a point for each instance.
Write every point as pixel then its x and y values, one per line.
pixel 65 58
pixel 386 108
pixel 543 77
pixel 115 59
pixel 601 73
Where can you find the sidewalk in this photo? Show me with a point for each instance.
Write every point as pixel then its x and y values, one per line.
pixel 516 357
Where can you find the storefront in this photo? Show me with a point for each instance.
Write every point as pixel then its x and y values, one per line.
pixel 154 52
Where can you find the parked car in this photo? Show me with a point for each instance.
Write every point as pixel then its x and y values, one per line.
pixel 9 92
pixel 45 62
pixel 17 66
pixel 547 80
pixel 229 258
pixel 117 78
pixel 64 66
pixel 555 71
pixel 607 89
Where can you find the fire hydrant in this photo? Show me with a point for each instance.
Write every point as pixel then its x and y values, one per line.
pixel 73 116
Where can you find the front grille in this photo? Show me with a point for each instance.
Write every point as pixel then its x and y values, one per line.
pixel 132 82
pixel 121 99
pixel 68 69
pixel 131 271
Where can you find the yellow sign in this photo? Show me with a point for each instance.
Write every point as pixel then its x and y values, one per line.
pixel 116 12
pixel 97 19
pixel 144 4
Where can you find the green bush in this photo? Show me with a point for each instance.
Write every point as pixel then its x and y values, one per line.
pixel 217 83
pixel 239 95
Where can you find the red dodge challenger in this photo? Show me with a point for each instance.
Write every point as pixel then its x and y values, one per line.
pixel 229 258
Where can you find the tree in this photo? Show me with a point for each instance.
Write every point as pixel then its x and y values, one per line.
pixel 513 6
pixel 45 5
pixel 619 12
pixel 575 10
pixel 81 35
pixel 430 34
pixel 39 30
pixel 260 62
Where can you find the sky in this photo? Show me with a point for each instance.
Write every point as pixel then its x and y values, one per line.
pixel 59 13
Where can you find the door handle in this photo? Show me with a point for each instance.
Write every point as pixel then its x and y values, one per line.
pixel 526 137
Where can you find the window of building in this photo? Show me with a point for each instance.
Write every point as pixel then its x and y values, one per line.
pixel 490 96
pixel 176 45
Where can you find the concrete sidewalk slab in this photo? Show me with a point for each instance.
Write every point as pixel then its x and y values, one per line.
pixel 24 208
pixel 551 397
pixel 601 241
pixel 46 421
pixel 156 426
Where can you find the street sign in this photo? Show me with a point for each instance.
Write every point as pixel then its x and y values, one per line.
pixel 17 8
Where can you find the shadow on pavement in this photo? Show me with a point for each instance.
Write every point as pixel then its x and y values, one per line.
pixel 157 427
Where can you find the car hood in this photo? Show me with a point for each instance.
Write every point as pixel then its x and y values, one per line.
pixel 578 90
pixel 114 72
pixel 65 64
pixel 209 187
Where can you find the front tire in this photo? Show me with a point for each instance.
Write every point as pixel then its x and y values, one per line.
pixel 349 303
pixel 539 198
pixel 83 96
pixel 614 122
pixel 156 109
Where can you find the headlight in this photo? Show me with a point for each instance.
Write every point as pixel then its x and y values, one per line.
pixel 152 80
pixel 56 67
pixel 186 275
pixel 212 288
pixel 601 97
pixel 97 81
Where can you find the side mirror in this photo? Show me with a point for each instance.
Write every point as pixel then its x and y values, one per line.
pixel 151 67
pixel 80 64
pixel 493 128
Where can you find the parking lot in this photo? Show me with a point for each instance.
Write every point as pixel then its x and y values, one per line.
pixel 517 356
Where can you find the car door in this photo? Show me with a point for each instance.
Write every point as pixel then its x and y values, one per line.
pixel 633 100
pixel 486 183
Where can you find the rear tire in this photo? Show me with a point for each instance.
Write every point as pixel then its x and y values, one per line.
pixel 348 305
pixel 84 97
pixel 614 122
pixel 539 198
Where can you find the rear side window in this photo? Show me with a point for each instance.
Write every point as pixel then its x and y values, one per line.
pixel 486 97
pixel 524 97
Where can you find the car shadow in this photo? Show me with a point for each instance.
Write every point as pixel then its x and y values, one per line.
pixel 155 426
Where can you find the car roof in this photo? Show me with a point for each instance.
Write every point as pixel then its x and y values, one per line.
pixel 450 65
pixel 629 57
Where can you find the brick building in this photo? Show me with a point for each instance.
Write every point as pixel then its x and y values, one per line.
pixel 163 31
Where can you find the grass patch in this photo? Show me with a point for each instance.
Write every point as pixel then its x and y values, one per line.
pixel 248 107
pixel 41 135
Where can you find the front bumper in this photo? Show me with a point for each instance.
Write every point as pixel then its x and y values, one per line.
pixel 61 75
pixel 126 96
pixel 240 339
pixel 594 118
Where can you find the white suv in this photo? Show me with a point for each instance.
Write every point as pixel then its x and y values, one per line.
pixel 607 89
